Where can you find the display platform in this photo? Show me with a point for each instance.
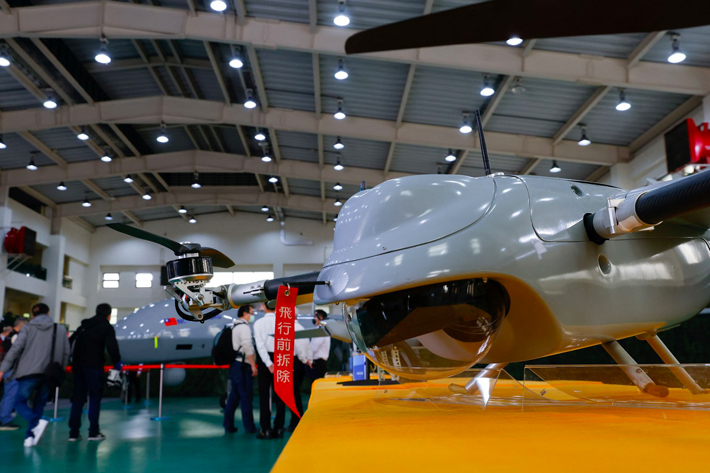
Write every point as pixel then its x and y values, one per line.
pixel 371 428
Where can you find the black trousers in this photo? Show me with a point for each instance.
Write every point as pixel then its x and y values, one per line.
pixel 266 394
pixel 299 372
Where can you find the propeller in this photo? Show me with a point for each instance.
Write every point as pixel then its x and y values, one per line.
pixel 500 20
pixel 219 259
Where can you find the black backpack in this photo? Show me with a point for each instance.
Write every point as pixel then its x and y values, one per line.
pixel 223 352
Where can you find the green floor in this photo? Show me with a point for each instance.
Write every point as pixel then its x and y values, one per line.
pixel 190 440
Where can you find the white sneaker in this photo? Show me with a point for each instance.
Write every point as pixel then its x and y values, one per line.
pixel 30 442
pixel 39 430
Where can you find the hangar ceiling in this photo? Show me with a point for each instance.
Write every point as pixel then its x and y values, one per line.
pixel 170 75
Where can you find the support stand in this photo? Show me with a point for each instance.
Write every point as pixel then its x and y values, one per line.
pixel 56 401
pixel 636 374
pixel 668 358
pixel 160 397
pixel 473 386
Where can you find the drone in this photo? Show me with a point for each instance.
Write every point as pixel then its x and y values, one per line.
pixel 436 273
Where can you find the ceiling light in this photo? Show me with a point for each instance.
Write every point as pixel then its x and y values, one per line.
pixel 338 144
pixel 260 136
pixel 147 196
pixel 32 166
pixel 555 168
pixel 218 5
pixel 338 166
pixel 264 209
pixel 106 157
pixel 273 179
pixel 196 181
pixel 236 61
pixel 518 87
pixel 335 219
pixel 86 203
pixel 342 19
pixel 270 218
pixel 341 73
pixel 337 203
pixel 82 135
pixel 193 219
pixel 163 136
pixel 61 186
pixel 451 157
pixel 465 125
pixel 2 143
pixel 266 157
pixel 249 102
pixel 623 105
pixel 4 61
pixel 339 114
pixel 584 141
pixel 182 210
pixel 50 102
pixel 128 179
pixel 676 54
pixel 514 41
pixel 108 216
pixel 487 90
pixel 338 186
pixel 102 57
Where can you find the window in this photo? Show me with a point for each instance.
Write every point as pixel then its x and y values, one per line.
pixel 144 280
pixel 111 280
pixel 114 316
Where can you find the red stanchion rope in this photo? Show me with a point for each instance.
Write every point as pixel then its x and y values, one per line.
pixel 157 367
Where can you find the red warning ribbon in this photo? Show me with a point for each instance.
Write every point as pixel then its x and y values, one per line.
pixel 284 345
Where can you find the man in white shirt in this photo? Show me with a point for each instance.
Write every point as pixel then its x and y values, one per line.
pixel 320 347
pixel 241 371
pixel 303 358
pixel 264 330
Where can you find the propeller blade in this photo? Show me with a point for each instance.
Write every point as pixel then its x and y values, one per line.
pixel 174 246
pixel 500 20
pixel 219 259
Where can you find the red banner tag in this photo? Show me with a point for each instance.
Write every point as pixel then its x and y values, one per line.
pixel 284 345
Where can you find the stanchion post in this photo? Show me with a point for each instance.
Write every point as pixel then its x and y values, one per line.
pixel 160 396
pixel 56 401
pixel 147 388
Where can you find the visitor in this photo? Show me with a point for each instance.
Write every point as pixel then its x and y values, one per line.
pixel 241 371
pixel 94 337
pixel 31 355
pixel 321 349
pixel 9 397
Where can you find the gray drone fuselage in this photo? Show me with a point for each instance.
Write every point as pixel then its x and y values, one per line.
pixel 154 334
pixel 526 233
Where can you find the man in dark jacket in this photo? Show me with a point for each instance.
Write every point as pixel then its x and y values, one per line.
pixel 30 356
pixel 94 337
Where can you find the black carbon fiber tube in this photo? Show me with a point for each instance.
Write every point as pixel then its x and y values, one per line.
pixel 305 283
pixel 677 198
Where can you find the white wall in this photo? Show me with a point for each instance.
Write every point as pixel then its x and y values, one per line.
pixel 251 242
pixel 77 245
pixel 73 316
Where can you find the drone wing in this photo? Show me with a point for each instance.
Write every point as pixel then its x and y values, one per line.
pixel 500 20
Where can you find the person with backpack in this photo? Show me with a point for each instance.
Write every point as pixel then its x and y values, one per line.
pixel 94 337
pixel 242 368
pixel 40 354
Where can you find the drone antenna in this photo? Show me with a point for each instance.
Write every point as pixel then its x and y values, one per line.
pixel 484 148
